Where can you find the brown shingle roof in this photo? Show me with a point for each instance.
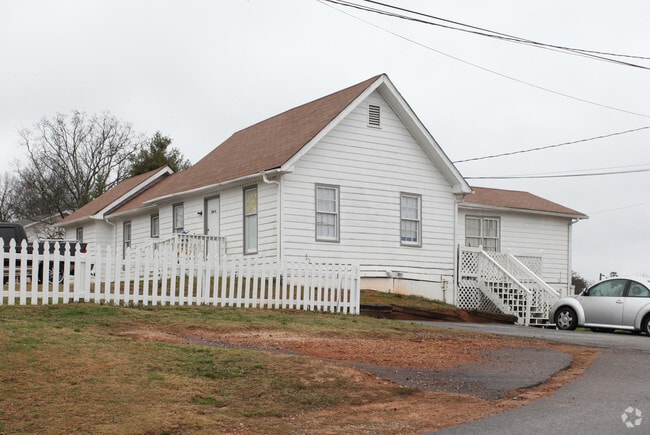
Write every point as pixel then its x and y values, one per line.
pixel 261 147
pixel 516 199
pixel 108 197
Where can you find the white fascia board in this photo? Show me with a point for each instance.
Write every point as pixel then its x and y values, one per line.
pixel 137 189
pixel 289 164
pixel 198 190
pixel 412 122
pixel 493 208
pixel 140 210
pixel 422 135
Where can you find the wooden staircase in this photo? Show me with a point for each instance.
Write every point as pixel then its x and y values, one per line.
pixel 502 283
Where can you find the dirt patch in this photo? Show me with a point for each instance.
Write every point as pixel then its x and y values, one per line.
pixel 432 362
pixel 144 333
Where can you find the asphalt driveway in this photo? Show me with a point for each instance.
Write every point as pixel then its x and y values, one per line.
pixel 613 396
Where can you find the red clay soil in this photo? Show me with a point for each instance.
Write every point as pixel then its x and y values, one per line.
pixel 429 349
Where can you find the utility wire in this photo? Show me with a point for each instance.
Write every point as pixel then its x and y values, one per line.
pixel 489 33
pixel 625 207
pixel 505 35
pixel 511 153
pixel 592 174
pixel 583 100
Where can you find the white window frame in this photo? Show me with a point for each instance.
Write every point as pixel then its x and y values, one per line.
pixel 251 222
pixel 155 226
pixel 178 219
pixel 126 237
pixel 408 219
pixel 79 234
pixel 325 215
pixel 480 239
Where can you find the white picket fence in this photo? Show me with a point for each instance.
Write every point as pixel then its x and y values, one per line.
pixel 167 277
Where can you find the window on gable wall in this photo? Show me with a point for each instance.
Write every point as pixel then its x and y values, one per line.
pixel 250 220
pixel 410 219
pixel 79 234
pixel 482 231
pixel 327 213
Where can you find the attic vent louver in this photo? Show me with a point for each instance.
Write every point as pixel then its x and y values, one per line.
pixel 374 115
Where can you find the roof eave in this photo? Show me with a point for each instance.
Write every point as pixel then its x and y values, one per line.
pixel 578 216
pixel 215 186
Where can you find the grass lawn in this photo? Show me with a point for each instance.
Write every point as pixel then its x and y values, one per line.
pixel 63 369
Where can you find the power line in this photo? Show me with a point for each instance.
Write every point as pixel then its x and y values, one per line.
pixel 505 76
pixel 618 208
pixel 511 153
pixel 596 55
pixel 530 177
pixel 505 35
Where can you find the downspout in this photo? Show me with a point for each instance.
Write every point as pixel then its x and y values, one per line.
pixel 570 253
pixel 454 285
pixel 114 233
pixel 279 209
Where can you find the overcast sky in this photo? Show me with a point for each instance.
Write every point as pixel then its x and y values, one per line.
pixel 200 70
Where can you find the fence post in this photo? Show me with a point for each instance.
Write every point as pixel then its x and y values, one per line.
pixel 23 272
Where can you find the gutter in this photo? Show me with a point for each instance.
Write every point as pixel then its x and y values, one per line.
pixel 211 186
pixel 576 217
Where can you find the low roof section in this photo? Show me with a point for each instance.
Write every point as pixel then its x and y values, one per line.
pixel 516 200
pixel 116 196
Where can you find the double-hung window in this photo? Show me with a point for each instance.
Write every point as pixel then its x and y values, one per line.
pixel 482 231
pixel 155 226
pixel 410 219
pixel 250 220
pixel 327 213
pixel 126 237
pixel 79 234
pixel 178 218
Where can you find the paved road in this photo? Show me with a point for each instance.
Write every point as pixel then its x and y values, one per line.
pixel 594 404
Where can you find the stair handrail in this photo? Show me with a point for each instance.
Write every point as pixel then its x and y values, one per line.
pixel 511 277
pixel 549 295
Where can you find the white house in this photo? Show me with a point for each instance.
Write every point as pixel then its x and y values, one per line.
pixel 353 177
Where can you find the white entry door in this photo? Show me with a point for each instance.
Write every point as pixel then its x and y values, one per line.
pixel 212 217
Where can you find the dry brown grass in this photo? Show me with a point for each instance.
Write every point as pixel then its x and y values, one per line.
pixel 87 368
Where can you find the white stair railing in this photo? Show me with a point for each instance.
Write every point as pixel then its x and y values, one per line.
pixel 544 296
pixel 504 289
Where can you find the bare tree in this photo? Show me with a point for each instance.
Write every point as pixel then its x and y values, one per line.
pixel 70 161
pixel 6 196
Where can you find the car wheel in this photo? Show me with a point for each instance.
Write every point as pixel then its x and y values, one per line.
pixel 645 325
pixel 566 319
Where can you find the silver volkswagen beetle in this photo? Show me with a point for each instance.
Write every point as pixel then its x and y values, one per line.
pixel 615 303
